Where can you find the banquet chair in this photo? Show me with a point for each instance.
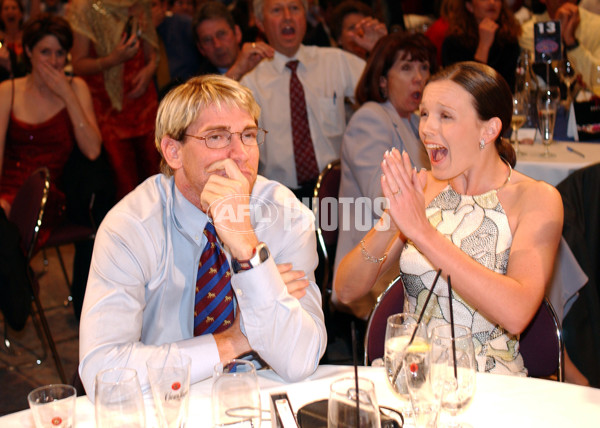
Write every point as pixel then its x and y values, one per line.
pixel 542 346
pixel 390 302
pixel 27 212
pixel 328 186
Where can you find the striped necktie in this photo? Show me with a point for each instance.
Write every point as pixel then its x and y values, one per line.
pixel 213 310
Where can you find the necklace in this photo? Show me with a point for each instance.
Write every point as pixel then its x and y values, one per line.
pixel 509 174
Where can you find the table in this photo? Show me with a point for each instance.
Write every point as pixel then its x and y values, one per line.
pixel 500 401
pixel 554 170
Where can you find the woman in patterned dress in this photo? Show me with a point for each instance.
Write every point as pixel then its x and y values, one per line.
pixel 493 230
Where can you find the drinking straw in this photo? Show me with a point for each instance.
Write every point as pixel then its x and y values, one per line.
pixel 414 333
pixel 452 326
pixel 355 363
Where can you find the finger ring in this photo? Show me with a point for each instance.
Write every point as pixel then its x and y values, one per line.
pixel 399 192
pixel 253 45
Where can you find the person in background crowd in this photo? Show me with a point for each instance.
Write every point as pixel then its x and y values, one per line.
pixel 495 231
pixel 12 62
pixel 116 51
pixel 389 92
pixel 44 117
pixel 172 268
pixel 579 32
pixel 305 131
pixel 485 31
pixel 183 7
pixel 347 23
pixel 218 39
pixel 179 58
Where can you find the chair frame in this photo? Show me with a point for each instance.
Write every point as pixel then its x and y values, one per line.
pixel 547 307
pixel 396 282
pixel 40 323
pixel 327 272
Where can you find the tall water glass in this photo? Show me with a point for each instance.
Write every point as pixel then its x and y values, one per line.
pixel 425 387
pixel 453 360
pixel 119 402
pixel 235 395
pixel 169 375
pixel 547 105
pixel 53 406
pixel 399 330
pixel 342 411
pixel 519 116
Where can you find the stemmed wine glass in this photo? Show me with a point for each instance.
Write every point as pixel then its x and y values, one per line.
pixel 567 74
pixel 519 115
pixel 547 104
pixel 453 359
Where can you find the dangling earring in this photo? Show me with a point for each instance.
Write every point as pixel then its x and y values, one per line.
pixel 481 144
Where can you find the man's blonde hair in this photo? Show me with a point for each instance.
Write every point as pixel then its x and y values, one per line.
pixel 182 105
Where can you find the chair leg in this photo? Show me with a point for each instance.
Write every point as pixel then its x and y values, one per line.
pixel 65 274
pixel 49 338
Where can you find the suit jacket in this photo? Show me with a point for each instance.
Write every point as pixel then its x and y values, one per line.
pixel 372 130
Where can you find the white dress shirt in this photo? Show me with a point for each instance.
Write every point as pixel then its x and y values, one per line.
pixel 327 75
pixel 141 287
pixel 584 57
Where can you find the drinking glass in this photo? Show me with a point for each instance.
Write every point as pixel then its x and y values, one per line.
pixel 519 115
pixel 425 387
pixel 53 406
pixel 567 75
pixel 169 375
pixel 342 411
pixel 398 332
pixel 119 401
pixel 547 104
pixel 454 365
pixel 235 395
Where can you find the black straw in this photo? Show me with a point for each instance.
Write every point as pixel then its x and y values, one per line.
pixel 452 326
pixel 355 363
pixel 414 333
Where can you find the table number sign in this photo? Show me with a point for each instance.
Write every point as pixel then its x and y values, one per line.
pixel 547 41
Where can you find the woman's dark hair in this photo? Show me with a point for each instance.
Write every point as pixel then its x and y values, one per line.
pixel 491 97
pixel 461 22
pixel 46 25
pixel 414 45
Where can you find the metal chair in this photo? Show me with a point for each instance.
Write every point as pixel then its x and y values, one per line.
pixel 26 213
pixel 390 302
pixel 541 344
pixel 328 185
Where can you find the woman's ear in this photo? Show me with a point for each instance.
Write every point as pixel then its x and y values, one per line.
pixel 28 52
pixel 383 86
pixel 171 151
pixel 493 128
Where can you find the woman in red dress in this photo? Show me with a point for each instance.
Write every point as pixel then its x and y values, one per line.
pixel 115 51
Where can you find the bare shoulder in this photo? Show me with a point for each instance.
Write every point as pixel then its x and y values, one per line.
pixel 79 84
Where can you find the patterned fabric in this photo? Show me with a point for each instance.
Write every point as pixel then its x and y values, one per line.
pixel 304 151
pixel 479 226
pixel 213 311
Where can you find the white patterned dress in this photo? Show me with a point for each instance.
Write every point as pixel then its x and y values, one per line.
pixel 479 226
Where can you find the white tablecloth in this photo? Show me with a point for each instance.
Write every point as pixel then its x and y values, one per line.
pixel 554 170
pixel 500 401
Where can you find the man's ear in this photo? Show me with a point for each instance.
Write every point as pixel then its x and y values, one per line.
pixel 238 34
pixel 171 151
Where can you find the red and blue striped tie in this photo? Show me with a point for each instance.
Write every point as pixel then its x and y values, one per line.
pixel 213 309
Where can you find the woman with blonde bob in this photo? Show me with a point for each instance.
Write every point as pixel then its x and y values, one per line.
pixel 495 231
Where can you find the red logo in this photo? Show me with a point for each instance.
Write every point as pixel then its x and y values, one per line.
pixel 414 367
pixel 56 420
pixel 175 386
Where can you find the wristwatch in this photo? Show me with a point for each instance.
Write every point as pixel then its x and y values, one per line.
pixel 575 45
pixel 259 255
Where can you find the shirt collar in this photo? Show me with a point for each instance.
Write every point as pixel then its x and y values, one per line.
pixel 188 219
pixel 280 60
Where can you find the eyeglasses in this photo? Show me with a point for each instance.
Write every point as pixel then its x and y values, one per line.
pixel 222 138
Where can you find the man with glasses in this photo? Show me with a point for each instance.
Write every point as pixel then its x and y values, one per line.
pixel 207 256
pixel 218 39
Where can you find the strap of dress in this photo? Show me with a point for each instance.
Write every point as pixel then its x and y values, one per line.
pixel 12 94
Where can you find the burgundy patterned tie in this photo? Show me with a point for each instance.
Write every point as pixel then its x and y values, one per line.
pixel 213 310
pixel 304 152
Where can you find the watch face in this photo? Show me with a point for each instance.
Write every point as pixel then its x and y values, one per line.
pixel 263 253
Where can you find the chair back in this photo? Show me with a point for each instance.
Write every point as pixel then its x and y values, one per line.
pixel 541 344
pixel 328 186
pixel 27 209
pixel 390 302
